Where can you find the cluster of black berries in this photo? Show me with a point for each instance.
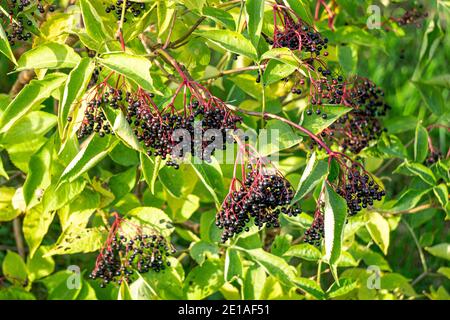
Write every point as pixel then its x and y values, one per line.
pixel 327 90
pixel 119 260
pixel 356 129
pixel 296 34
pixel 94 118
pixel 171 133
pixel 15 23
pixel 262 196
pixel 128 251
pixel 314 234
pixel 358 189
pixel 434 157
pixel 411 16
pixel 135 9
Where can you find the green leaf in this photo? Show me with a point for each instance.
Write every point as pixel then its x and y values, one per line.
pixel 28 98
pixel 445 271
pixel 419 170
pixel 124 292
pixel 15 269
pixel 348 58
pixel 204 280
pixel 122 183
pixel 153 217
pixel 78 240
pixel 35 227
pixel 317 124
pixel 346 286
pixel 7 211
pixel 441 193
pixel 135 68
pixel 150 168
pixel 38 266
pixel 441 250
pixel 273 264
pixel 168 283
pixel 395 281
pixel 122 129
pixel 335 212
pixel 309 286
pixel 5 47
pixel 94 150
pixel 275 137
pixel 378 228
pixel 231 41
pixel 200 250
pixel 301 8
pixel 15 293
pixel 275 71
pixel 165 12
pixel 315 171
pixel 255 19
pixel 39 174
pixel 408 200
pixel 221 16
pixel 432 96
pixel 211 176
pixel 50 55
pixel 255 277
pixel 74 89
pixel 442 80
pixel 57 196
pixel 233 265
pixel 420 144
pixel 283 55
pixel 304 251
pixel 93 22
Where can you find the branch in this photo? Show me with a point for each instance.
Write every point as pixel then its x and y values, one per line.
pixel 232 71
pixel 17 227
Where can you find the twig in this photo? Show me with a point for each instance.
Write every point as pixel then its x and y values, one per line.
pixel 17 229
pixel 228 72
pixel 419 248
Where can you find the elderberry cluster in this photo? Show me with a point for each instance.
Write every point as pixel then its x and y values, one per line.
pixel 94 118
pixel 158 131
pixel 359 189
pixel 262 196
pixel 16 24
pixel 411 16
pixel 119 260
pixel 326 90
pixel 296 35
pixel 315 232
pixel 434 157
pixel 135 8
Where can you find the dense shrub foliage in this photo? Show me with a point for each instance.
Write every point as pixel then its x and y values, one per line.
pixel 160 149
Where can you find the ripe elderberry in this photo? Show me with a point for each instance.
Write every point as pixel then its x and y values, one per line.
pixel 262 195
pixel 18 22
pixel 294 33
pixel 159 130
pixel 315 232
pixel 132 8
pixel 128 251
pixel 358 188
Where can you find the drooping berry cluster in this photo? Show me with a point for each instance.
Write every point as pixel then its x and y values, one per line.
pixel 94 117
pixel 126 253
pixel 358 188
pixel 131 8
pixel 294 33
pixel 412 16
pixel 15 23
pixel 173 132
pixel 314 234
pixel 356 129
pixel 262 195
